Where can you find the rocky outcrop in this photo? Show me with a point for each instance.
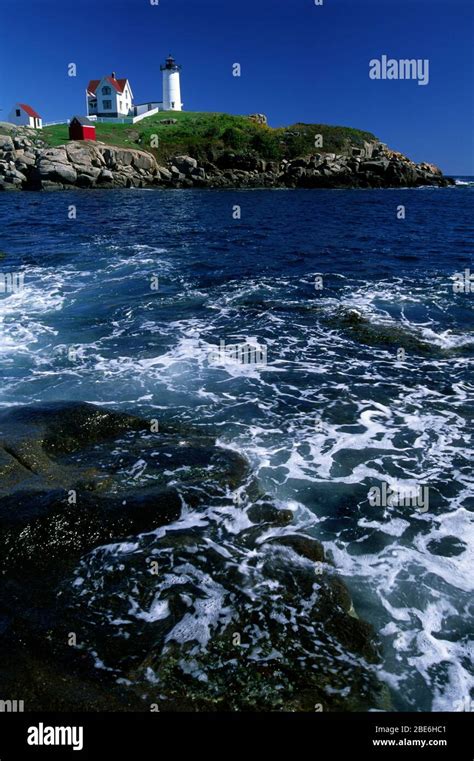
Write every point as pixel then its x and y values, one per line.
pixel 371 166
pixel 27 164
pixel 78 164
pixel 259 118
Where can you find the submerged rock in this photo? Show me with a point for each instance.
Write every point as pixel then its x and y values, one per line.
pixel 373 331
pixel 217 629
pixel 174 592
pixel 63 487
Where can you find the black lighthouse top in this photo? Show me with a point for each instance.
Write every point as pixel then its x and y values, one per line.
pixel 170 64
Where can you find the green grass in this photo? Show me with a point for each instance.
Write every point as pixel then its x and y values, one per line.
pixel 207 135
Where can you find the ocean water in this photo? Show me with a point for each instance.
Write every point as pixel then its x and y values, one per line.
pixel 367 380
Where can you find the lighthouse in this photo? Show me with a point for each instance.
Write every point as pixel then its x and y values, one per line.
pixel 171 85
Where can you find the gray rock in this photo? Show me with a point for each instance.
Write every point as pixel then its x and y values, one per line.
pixel 80 153
pixel 5 185
pixel 55 155
pixel 368 149
pixel 164 173
pixel 15 174
pixel 98 161
pixel 85 181
pixel 6 143
pixel 106 175
pixel 298 163
pixel 48 185
pixel 378 167
pixel 109 157
pixel 124 158
pixel 91 171
pixel 27 159
pixel 176 174
pixel 259 118
pixel 198 174
pixel 120 180
pixel 185 164
pixel 297 171
pixel 144 161
pixel 57 172
pixel 272 167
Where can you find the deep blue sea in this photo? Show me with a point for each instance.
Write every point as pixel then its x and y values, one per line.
pixel 124 305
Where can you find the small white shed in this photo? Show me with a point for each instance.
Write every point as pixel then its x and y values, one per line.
pixel 25 116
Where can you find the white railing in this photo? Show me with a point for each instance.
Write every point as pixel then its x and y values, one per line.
pixel 123 119
pixel 147 113
pixel 111 119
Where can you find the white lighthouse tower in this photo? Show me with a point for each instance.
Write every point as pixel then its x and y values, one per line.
pixel 171 85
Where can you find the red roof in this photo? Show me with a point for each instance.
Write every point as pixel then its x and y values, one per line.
pixel 119 84
pixel 30 111
pixel 93 85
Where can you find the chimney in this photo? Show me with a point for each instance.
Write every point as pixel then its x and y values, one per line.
pixel 113 75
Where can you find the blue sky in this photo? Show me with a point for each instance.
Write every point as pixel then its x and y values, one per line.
pixel 300 62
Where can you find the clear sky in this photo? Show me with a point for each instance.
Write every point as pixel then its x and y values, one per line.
pixel 300 62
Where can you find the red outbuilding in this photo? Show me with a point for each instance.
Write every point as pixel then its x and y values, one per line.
pixel 81 128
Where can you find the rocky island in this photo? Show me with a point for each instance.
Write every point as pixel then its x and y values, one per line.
pixel 206 151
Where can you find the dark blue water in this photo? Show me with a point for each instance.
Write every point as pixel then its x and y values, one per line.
pixel 367 378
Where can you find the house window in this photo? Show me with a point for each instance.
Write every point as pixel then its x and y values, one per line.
pixel 18 112
pixel 106 90
pixel 107 105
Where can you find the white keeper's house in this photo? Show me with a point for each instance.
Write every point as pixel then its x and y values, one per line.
pixel 111 100
pixel 109 97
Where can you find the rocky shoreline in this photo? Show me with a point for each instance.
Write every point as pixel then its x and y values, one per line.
pixel 26 163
